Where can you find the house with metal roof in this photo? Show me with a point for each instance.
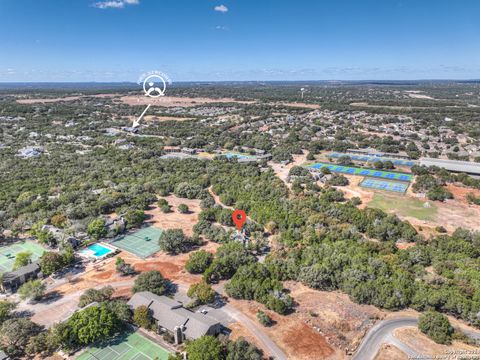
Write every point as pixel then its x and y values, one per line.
pixel 171 316
pixel 467 167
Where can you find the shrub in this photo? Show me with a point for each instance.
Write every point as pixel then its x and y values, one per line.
pixel 264 319
pixel 198 262
pixel 436 326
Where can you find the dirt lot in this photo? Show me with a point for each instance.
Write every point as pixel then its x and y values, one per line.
pixel 103 273
pixel 66 98
pixel 53 100
pixel 456 213
pixel 328 321
pixel 173 101
pixel 175 220
pixel 282 170
pixel 300 105
pixel 354 190
pixel 390 352
pixel 340 320
pixel 417 340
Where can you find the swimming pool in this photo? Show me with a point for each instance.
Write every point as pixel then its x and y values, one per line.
pixel 236 155
pixel 97 250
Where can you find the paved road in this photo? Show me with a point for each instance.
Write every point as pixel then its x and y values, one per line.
pixel 49 313
pixel 382 333
pixel 273 349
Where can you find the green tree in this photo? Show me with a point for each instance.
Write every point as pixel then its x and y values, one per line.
pixel 91 324
pixel 96 229
pixel 134 218
pixel 205 348
pixel 142 317
pixel 152 281
pixel 183 209
pixel 241 349
pixel 44 344
pixel 264 319
pixel 201 292
pixel 121 309
pixel 59 220
pixel 436 326
pixel 15 334
pixel 123 268
pixel 198 262
pixel 6 308
pixel 93 295
pixel 174 241
pixel 32 290
pixel 50 262
pixel 22 259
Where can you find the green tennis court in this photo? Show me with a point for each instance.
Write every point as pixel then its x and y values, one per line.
pixel 351 170
pixel 143 242
pixel 8 253
pixel 131 346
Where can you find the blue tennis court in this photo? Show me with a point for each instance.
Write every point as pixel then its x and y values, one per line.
pixel 351 170
pixel 373 158
pixel 377 184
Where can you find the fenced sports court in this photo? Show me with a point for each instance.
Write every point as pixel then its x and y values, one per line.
pixel 377 184
pixel 131 346
pixel 9 252
pixel 142 243
pixel 373 158
pixel 351 170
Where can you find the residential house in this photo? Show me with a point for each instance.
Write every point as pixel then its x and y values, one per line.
pixel 172 317
pixel 11 281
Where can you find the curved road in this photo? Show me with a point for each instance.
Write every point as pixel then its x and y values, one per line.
pixel 382 333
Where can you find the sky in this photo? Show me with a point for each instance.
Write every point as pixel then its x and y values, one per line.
pixel 206 40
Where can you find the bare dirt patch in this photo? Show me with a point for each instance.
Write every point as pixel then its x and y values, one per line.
pixel 420 342
pixel 174 219
pixel 457 213
pixel 301 105
pixel 66 98
pixel 173 101
pixel 460 192
pixel 355 190
pixel 390 352
pixel 298 340
pixel 282 170
pixel 52 100
pixel 155 118
pixel 342 322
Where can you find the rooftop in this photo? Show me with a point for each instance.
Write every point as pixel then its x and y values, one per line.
pixel 170 313
pixel 453 165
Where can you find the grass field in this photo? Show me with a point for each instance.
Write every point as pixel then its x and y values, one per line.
pixel 8 253
pixel 403 205
pixel 351 170
pixel 143 242
pixel 132 346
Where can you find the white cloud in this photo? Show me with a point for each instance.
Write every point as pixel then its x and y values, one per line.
pixel 115 4
pixel 221 8
pixel 221 27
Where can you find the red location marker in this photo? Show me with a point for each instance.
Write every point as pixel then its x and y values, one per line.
pixel 239 217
